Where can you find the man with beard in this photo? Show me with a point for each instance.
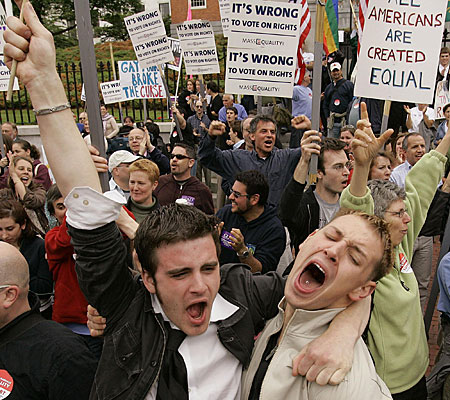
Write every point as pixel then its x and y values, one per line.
pixel 252 232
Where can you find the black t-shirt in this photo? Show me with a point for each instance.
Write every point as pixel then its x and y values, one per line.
pixel 215 105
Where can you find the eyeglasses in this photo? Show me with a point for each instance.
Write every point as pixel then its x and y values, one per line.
pixel 198 106
pixel 340 167
pixel 237 194
pixel 5 286
pixel 179 156
pixel 399 214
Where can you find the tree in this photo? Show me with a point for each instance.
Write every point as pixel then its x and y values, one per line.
pixel 59 17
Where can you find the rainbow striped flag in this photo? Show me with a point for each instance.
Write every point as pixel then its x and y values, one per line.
pixel 330 27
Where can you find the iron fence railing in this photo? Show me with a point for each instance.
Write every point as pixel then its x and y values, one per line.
pixel 19 110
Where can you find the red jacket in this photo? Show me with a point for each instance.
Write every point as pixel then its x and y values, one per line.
pixel 70 303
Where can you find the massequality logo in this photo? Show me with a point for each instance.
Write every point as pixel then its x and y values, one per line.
pixel 259 88
pixel 263 42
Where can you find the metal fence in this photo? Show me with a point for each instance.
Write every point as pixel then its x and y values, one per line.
pixel 20 110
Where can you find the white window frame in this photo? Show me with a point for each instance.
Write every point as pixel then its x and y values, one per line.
pixel 197 7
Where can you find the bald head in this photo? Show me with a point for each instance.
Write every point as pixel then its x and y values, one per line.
pixel 13 266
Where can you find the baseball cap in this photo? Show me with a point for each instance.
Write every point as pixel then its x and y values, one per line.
pixel 119 157
pixel 334 66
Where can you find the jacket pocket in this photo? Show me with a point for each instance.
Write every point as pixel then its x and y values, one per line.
pixel 120 364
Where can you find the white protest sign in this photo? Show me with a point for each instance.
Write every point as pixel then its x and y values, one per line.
pixel 441 98
pixel 2 27
pixel 148 35
pixel 111 92
pixel 400 50
pixel 224 7
pixel 267 25
pixel 259 73
pixel 177 55
pixel 262 46
pixel 4 78
pixel 140 83
pixel 199 47
pixel 83 93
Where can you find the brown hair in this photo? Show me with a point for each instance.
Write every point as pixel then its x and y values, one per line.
pixel 147 166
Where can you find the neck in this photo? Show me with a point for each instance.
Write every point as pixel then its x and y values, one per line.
pixel 147 203
pixel 261 153
pixel 326 195
pixel 122 184
pixel 182 177
pixel 288 313
pixel 20 307
pixel 253 213
pixel 248 146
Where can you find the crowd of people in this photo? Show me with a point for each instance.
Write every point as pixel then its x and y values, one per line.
pixel 275 288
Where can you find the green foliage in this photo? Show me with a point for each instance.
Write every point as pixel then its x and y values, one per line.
pixel 55 14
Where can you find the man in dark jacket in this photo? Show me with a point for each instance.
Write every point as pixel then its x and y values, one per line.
pixel 252 232
pixel 275 164
pixel 39 359
pixel 337 96
pixel 304 212
pixel 177 252
pixel 181 185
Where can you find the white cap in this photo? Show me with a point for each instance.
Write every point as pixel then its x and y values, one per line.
pixel 308 57
pixel 121 157
pixel 335 65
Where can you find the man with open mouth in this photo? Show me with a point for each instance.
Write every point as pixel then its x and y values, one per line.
pixel 336 266
pixel 185 328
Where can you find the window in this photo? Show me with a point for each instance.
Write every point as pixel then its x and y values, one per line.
pixel 198 4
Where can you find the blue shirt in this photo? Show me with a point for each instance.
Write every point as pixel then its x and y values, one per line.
pixel 443 274
pixel 242 114
pixel 302 101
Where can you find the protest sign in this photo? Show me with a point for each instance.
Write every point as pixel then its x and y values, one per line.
pixel 224 7
pixel 177 55
pixel 199 47
pixel 441 98
pixel 140 83
pixel 2 27
pixel 148 36
pixel 400 50
pixel 111 92
pixel 270 26
pixel 4 78
pixel 83 93
pixel 261 55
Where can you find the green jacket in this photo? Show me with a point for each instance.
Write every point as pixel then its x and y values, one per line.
pixel 397 339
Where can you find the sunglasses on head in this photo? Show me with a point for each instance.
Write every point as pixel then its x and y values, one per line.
pixel 179 156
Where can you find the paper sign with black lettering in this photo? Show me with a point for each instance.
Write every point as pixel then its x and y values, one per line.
pixel 199 47
pixel 399 53
pixel 140 83
pixel 224 7
pixel 177 55
pixel 148 36
pixel 258 72
pixel 441 98
pixel 4 78
pixel 111 92
pixel 264 25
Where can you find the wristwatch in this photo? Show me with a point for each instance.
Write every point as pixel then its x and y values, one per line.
pixel 244 254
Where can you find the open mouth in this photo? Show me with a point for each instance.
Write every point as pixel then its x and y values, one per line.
pixel 196 311
pixel 25 179
pixel 311 278
pixel 268 142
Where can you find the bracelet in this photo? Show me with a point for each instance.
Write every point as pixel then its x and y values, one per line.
pixel 46 111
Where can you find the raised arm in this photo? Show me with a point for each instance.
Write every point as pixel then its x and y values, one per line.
pixel 364 147
pixel 66 151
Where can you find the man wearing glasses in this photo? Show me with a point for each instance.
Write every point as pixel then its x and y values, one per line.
pixel 304 212
pixel 179 184
pixel 252 232
pixel 38 358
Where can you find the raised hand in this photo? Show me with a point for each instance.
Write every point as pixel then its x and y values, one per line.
pixel 27 44
pixel 310 144
pixel 301 122
pixel 216 128
pixel 366 145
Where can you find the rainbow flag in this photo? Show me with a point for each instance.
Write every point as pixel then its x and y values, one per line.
pixel 330 27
